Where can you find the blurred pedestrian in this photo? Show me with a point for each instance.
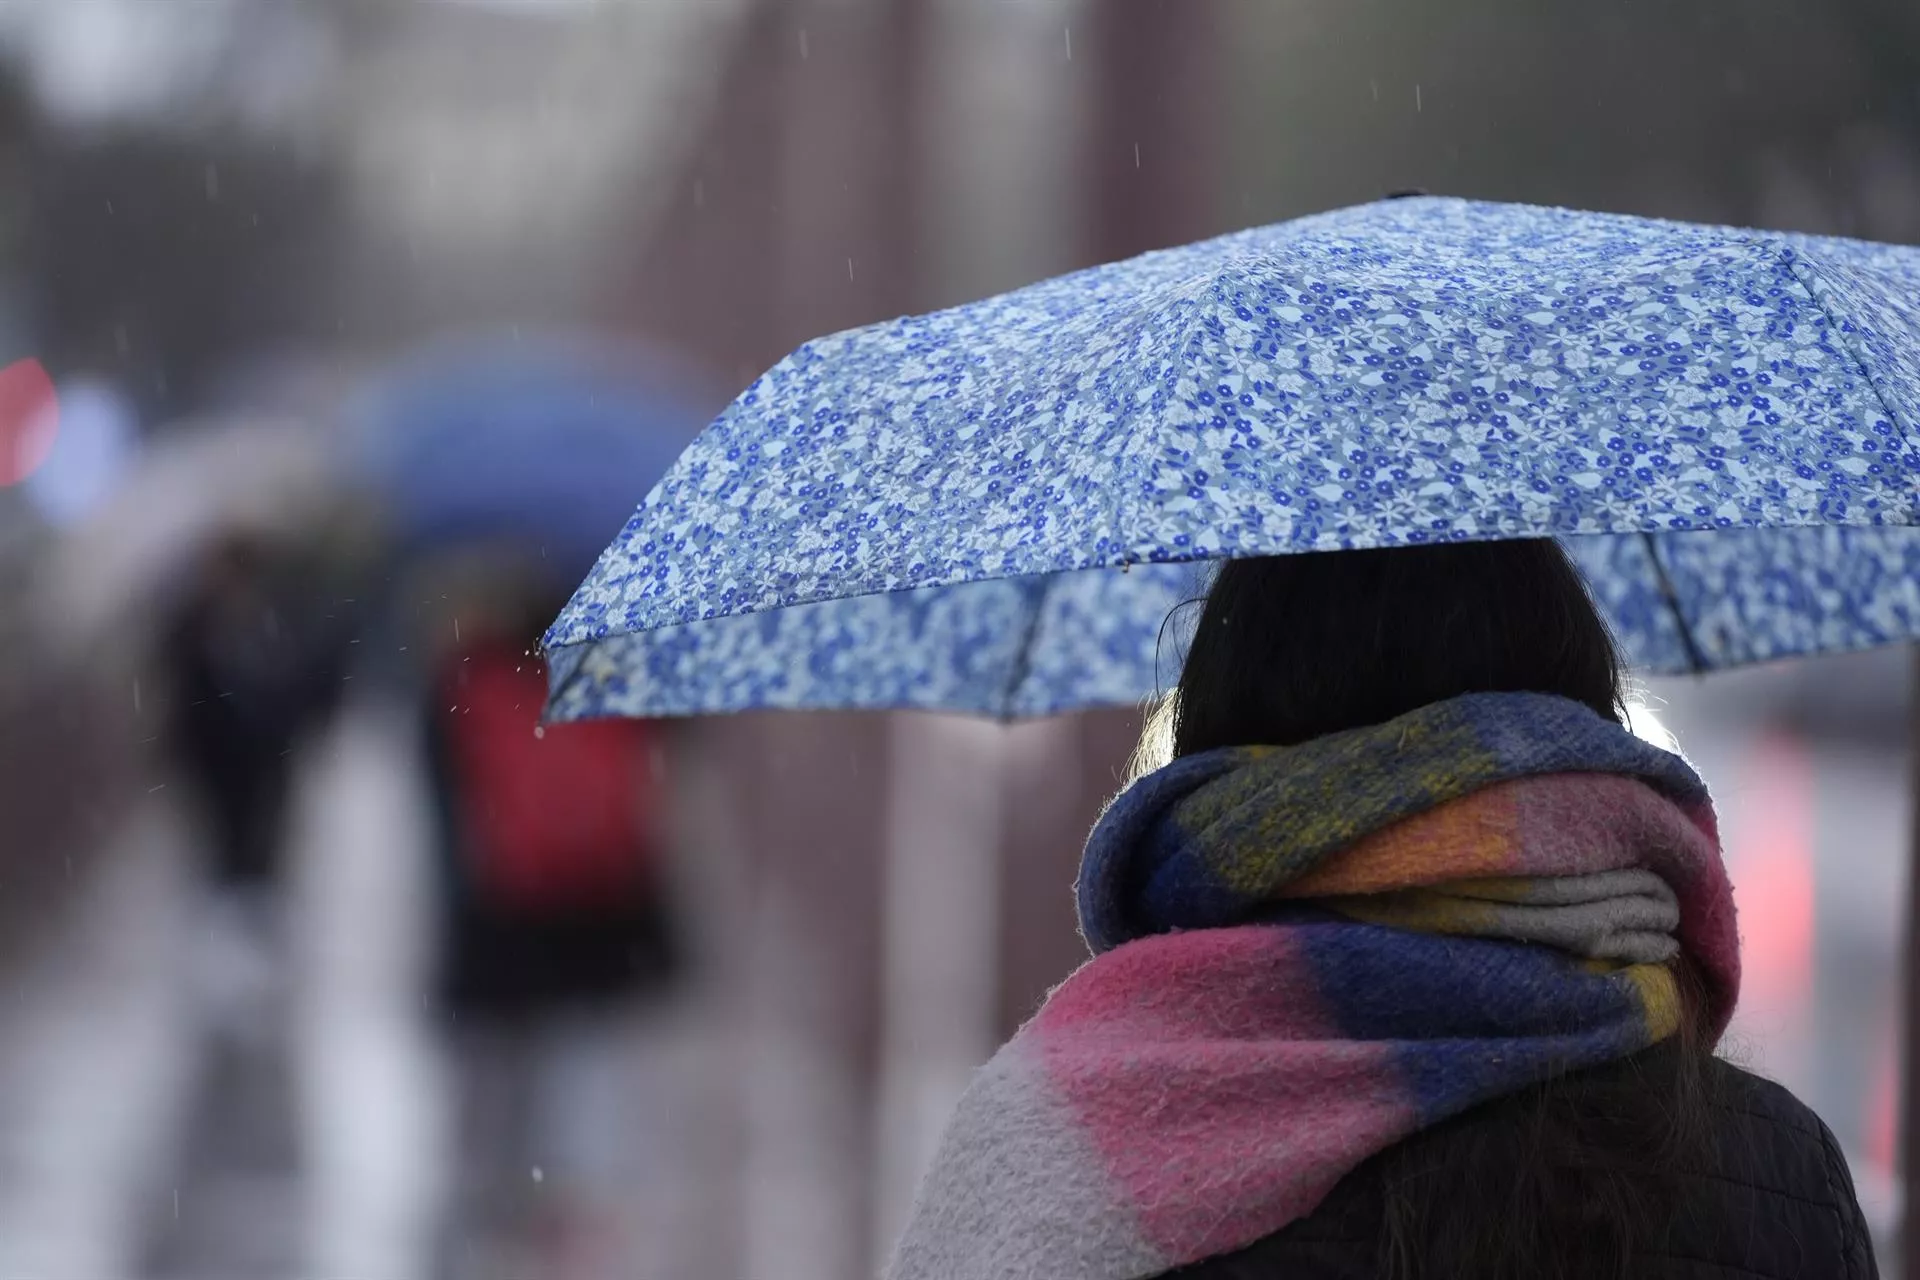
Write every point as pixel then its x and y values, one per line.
pixel 253 655
pixel 254 664
pixel 1410 961
pixel 556 934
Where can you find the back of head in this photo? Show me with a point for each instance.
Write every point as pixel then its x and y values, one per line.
pixel 1291 648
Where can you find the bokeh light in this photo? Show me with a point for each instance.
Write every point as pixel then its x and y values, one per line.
pixel 29 419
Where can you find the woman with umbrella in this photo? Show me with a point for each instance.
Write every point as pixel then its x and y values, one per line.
pixel 554 929
pixel 1409 957
pixel 505 465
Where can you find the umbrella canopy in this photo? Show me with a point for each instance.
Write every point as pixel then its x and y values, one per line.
pixel 196 483
pixel 994 508
pixel 546 441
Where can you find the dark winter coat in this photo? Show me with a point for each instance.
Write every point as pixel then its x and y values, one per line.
pixel 1775 1202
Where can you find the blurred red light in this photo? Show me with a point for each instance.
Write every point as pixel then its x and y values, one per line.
pixel 29 419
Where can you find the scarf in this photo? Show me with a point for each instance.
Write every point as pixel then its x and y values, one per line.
pixel 1304 955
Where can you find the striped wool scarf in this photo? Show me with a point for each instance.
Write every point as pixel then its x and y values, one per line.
pixel 1305 954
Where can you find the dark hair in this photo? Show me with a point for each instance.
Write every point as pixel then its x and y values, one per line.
pixel 1294 647
pixel 1570 1179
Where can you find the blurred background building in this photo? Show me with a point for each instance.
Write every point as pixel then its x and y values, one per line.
pixel 248 216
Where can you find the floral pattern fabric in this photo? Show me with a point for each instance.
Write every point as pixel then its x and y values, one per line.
pixel 995 508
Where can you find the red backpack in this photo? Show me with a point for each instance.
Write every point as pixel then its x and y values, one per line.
pixel 552 816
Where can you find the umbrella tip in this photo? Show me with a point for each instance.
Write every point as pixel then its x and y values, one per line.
pixel 1406 193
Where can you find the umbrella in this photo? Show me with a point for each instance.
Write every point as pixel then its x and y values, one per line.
pixel 197 482
pixel 542 440
pixel 994 508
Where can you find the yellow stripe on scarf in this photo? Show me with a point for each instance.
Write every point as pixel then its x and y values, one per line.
pixel 1418 911
pixel 1659 998
pixel 1403 766
pixel 1658 989
pixel 1474 837
pixel 1659 993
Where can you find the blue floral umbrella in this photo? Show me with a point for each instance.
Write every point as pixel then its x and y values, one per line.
pixel 994 508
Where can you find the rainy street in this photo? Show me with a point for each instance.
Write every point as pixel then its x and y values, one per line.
pixel 184 1103
pixel 783 640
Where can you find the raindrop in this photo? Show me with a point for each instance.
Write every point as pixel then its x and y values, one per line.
pixel 213 182
pixel 699 193
pixel 1136 155
pixel 456 629
pixel 849 268
pixel 805 51
pixel 1069 34
pixel 1417 104
pixel 1375 86
pixel 539 1175
pixel 539 731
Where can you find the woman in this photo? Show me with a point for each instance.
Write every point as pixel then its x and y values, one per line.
pixel 1409 962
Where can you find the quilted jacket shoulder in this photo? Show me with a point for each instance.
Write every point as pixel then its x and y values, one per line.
pixel 1773 1202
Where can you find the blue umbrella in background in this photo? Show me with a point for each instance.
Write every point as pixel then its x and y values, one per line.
pixel 541 441
pixel 994 508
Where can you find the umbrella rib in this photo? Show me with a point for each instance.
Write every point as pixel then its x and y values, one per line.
pixel 1023 656
pixel 1800 266
pixel 1672 597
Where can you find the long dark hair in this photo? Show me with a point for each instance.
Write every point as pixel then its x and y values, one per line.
pixel 1569 1180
